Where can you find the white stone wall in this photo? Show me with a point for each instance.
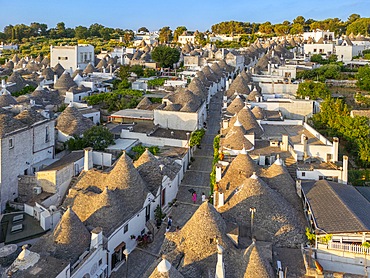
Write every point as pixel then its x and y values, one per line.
pixel 316 173
pixel 176 120
pixel 91 265
pixel 295 110
pixel 318 48
pixel 72 56
pixel 29 148
pixel 269 88
pixel 66 56
pixel 153 141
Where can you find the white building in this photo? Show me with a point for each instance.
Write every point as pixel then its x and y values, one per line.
pixel 26 141
pixel 184 39
pixel 318 34
pixel 72 57
pixel 325 49
pixel 348 49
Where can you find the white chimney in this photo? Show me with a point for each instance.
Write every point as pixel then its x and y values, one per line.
pixel 335 149
pixel 96 238
pixel 221 201
pixel 88 162
pixel 345 170
pixel 220 267
pixel 218 172
pixel 55 78
pixel 3 83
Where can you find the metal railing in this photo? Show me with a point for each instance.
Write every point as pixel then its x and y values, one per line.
pixel 352 248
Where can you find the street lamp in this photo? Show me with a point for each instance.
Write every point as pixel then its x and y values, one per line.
pixel 126 252
pixel 160 191
pixel 188 143
pixel 252 211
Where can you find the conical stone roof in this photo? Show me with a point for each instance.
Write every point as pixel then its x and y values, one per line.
pixel 71 236
pixel 236 105
pixel 258 113
pixel 200 233
pixel 203 78
pixel 15 59
pixel 257 265
pixel 29 117
pixel 149 170
pixel 145 103
pixel 102 64
pixel 165 270
pixel 9 65
pixel 240 168
pixel 249 122
pixel 72 122
pixel 239 85
pixel 58 69
pixel 245 76
pixel 6 100
pixel 235 139
pixel 278 178
pixel 64 82
pixel 209 74
pixel 275 219
pixel 89 69
pixel 124 175
pixel 48 73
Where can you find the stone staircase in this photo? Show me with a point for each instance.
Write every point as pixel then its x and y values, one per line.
pixel 291 166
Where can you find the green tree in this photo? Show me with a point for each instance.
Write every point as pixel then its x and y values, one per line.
pixel 178 32
pixel 61 30
pixel 166 56
pixel 143 29
pixel 352 18
pixel 363 78
pixel 282 29
pixel 196 137
pixel 94 29
pixel 313 90
pixel 81 32
pixel 296 29
pixel 138 150
pixel 266 28
pixel 165 34
pixel 299 20
pixel 97 137
pixel 138 70
pixel 361 25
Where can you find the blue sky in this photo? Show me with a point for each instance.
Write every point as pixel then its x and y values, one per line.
pixel 194 14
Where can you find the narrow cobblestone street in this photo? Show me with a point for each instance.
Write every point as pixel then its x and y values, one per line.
pixel 196 178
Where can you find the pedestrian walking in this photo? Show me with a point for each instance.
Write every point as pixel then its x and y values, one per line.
pixel 168 229
pixel 203 197
pixel 194 197
pixel 169 222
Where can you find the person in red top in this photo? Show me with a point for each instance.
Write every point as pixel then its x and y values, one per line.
pixel 194 197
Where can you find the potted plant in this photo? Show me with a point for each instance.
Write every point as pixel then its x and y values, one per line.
pixel 158 216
